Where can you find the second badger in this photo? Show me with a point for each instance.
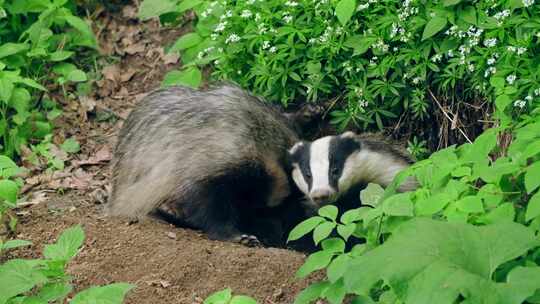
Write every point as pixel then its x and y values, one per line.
pixel 213 160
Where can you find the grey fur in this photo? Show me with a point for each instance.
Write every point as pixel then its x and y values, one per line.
pixel 178 138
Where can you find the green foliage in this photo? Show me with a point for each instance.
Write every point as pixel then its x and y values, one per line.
pixel 45 280
pixel 36 37
pixel 381 59
pixel 225 297
pixel 468 231
pixel 9 189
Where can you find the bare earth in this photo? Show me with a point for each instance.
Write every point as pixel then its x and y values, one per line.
pixel 168 264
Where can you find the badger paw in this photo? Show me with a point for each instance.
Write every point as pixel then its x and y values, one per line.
pixel 249 240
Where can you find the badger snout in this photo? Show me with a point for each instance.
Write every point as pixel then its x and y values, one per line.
pixel 322 196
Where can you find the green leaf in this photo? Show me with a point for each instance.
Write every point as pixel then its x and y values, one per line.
pixel 9 48
pixel 186 41
pixel 532 177
pixel 156 8
pixel 329 212
pixel 311 293
pixel 18 276
pixel 337 268
pixel 77 76
pixel 219 297
pixel 351 216
pixel 15 244
pixel 335 293
pixel 242 300
pixel 432 204
pixel 469 14
pixel 503 213
pixel 502 101
pixel 71 145
pixel 335 245
pixel 304 228
pixel 345 231
pixel 435 25
pixel 9 190
pixel 371 195
pixel 359 43
pixel 85 29
pixel 398 205
pixel 188 4
pixel 533 207
pixel 54 291
pixel 60 55
pixel 7 163
pixel 189 77
pixel 109 294
pixel 344 10
pixel 6 88
pixel 314 262
pixel 451 2
pixel 67 246
pixel 323 231
pixel 428 261
pixel 470 204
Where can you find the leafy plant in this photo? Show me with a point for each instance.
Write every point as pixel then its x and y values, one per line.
pixel 225 297
pixel 468 232
pixel 45 280
pixel 9 188
pixel 380 59
pixel 35 38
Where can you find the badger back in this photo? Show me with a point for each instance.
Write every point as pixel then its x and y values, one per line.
pixel 177 137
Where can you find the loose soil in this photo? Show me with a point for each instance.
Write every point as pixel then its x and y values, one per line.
pixel 168 264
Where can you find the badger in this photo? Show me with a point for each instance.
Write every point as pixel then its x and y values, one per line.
pixel 214 160
pixel 337 168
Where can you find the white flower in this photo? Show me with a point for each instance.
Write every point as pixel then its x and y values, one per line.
pixel 216 62
pixel 266 44
pixel 491 42
pixel 221 26
pixel 359 91
pixel 528 98
pixel 511 49
pixel 312 40
pixel 500 16
pixel 206 13
pixel 250 1
pixel 362 7
pixel 200 55
pixel 471 67
pixel 246 14
pixel 214 36
pixel 287 18
pixel 450 53
pixel 416 80
pixel 537 92
pixel 520 103
pixel 291 3
pixel 220 50
pixel 491 61
pixel 436 58
pixel 272 49
pixel 362 103
pixel 510 79
pixel 228 14
pixel 257 17
pixel 521 50
pixel 489 71
pixel 528 3
pixel 232 38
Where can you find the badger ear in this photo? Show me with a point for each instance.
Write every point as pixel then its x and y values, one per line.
pixel 296 148
pixel 349 134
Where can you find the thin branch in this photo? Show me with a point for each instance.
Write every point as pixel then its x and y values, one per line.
pixel 448 116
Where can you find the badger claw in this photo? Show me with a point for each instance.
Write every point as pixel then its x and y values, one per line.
pixel 249 240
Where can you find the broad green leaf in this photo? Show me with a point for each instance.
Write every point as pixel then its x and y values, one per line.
pixel 428 261
pixel 344 10
pixel 516 4
pixel 18 276
pixel 470 204
pixel 350 216
pixel 60 55
pixel 337 267
pixel 469 14
pixel 242 300
pixel 20 100
pixel 335 245
pixel 6 88
pixel 71 145
pixel 359 43
pixel 54 291
pixel 219 297
pixel 189 77
pixel 533 207
pixel 432 204
pixel 109 294
pixel 491 195
pixel 502 101
pixel 335 293
pixel 8 48
pixel 311 293
pixel 186 41
pixel 15 244
pixel 188 4
pixel 85 29
pixel 503 213
pixel 371 195
pixel 435 25
pixel 314 262
pixel 155 8
pixel 345 231
pixel 398 205
pixel 532 177
pixel 304 228
pixel 67 246
pixel 77 76
pixel 323 231
pixel 64 68
pixel 329 212
pixel 8 190
pixel 7 163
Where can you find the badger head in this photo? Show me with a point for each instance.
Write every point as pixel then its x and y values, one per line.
pixel 332 166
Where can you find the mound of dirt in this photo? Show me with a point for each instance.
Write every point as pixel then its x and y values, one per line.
pixel 168 264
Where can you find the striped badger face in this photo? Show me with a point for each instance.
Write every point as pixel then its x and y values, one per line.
pixel 324 169
pixel 340 166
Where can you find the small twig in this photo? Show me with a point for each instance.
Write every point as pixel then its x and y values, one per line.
pixel 448 116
